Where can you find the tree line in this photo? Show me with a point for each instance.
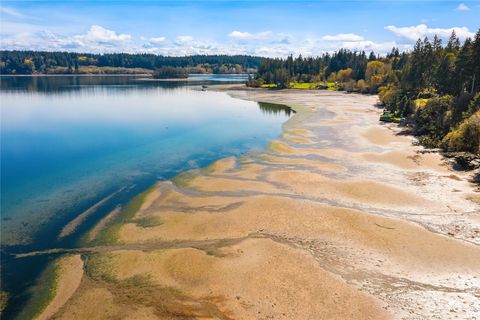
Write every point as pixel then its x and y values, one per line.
pixel 42 62
pixel 434 86
pixel 170 73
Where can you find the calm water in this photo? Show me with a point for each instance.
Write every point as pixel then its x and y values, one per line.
pixel 68 142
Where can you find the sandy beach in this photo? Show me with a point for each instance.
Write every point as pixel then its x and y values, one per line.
pixel 342 217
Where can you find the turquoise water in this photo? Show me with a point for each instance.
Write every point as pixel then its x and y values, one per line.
pixel 68 142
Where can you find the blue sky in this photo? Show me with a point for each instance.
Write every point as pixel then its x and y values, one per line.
pixel 268 28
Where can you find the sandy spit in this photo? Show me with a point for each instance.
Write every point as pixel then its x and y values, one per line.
pixel 69 278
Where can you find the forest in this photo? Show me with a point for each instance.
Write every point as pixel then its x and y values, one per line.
pixel 435 87
pixel 42 62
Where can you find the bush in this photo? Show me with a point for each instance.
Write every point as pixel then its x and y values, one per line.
pixel 427 93
pixel 255 83
pixel 466 137
pixel 434 119
pixel 349 86
pixel 389 95
pixel 362 86
pixel 473 107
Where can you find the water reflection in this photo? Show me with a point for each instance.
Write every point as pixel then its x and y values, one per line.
pixel 273 108
pixel 66 140
pixel 72 84
pixel 69 142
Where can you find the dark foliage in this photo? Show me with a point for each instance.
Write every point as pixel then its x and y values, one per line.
pixel 29 62
pixel 170 72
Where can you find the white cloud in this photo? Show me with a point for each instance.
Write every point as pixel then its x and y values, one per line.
pixel 10 28
pixel 343 37
pixel 422 30
pixel 12 12
pixel 153 42
pixel 157 39
pixel 240 35
pixel 98 39
pixel 367 45
pixel 98 34
pixel 462 7
pixel 181 40
pixel 250 36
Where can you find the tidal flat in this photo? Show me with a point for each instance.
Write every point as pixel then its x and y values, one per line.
pixel 339 218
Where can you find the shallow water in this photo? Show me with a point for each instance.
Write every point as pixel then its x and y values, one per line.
pixel 69 142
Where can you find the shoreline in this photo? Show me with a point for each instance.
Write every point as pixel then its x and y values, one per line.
pixel 315 211
pixel 114 75
pixel 77 75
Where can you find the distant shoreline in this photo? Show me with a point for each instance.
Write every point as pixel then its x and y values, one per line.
pixel 77 75
pixel 114 75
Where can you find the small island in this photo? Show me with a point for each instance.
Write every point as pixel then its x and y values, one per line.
pixel 170 73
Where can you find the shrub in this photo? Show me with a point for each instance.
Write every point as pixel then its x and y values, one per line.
pixel 255 83
pixel 433 119
pixel 473 107
pixel 362 86
pixel 389 95
pixel 466 137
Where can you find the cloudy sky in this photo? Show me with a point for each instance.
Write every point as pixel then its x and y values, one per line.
pixel 266 28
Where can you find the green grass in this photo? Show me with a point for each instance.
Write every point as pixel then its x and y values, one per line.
pixel 312 85
pixel 330 86
pixel 390 118
pixel 268 85
pixel 304 85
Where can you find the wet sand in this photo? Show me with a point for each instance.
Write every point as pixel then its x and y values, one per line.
pixel 341 218
pixel 70 273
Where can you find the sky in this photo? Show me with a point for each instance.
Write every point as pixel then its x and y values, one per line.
pixel 264 28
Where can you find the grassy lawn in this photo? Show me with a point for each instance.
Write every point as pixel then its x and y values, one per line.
pixel 312 85
pixel 269 85
pixel 304 85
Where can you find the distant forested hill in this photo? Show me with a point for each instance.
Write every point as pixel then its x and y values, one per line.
pixel 32 62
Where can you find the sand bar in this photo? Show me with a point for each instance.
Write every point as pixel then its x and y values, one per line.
pixel 340 217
